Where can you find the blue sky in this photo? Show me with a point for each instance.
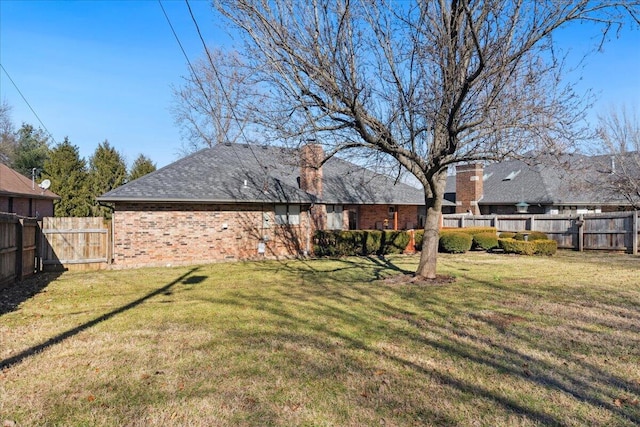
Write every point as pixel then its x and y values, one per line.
pixel 96 70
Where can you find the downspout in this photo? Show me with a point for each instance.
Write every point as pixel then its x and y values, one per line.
pixel 110 256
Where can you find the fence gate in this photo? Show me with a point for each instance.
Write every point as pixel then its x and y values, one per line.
pixel 75 243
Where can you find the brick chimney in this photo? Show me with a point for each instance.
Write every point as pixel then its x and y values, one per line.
pixel 469 179
pixel 311 157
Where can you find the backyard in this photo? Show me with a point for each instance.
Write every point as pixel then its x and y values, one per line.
pixel 511 340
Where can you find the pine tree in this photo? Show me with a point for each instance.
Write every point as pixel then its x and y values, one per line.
pixel 107 170
pixel 31 151
pixel 142 166
pixel 69 180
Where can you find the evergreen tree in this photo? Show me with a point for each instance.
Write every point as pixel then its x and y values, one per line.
pixel 69 180
pixel 31 151
pixel 142 166
pixel 107 170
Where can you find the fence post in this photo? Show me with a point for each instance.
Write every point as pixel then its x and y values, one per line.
pixel 533 223
pixel 580 224
pixel 19 250
pixel 635 232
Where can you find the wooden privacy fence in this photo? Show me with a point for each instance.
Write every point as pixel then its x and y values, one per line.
pixel 76 243
pixel 615 231
pixel 18 248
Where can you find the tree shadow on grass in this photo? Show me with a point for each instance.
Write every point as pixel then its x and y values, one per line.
pixel 10 361
pixel 510 350
pixel 15 294
pixel 378 267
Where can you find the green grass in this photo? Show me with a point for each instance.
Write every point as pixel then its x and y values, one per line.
pixel 513 341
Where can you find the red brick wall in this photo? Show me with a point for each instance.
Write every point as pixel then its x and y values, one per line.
pixel 369 215
pixel 152 234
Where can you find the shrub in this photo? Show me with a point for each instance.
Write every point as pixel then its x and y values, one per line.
pixel 535 247
pixel 546 247
pixel 537 235
pixel 470 230
pixel 530 236
pixel 507 235
pixel 485 241
pixel 513 246
pixel 359 242
pixel 454 242
pixel 393 242
pixel 418 237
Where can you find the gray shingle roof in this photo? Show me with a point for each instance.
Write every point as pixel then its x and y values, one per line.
pixel 229 173
pixel 570 181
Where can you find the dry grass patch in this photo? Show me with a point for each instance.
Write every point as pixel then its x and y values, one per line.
pixel 512 341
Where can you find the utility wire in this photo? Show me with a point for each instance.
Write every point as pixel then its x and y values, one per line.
pixel 195 75
pixel 222 88
pixel 27 102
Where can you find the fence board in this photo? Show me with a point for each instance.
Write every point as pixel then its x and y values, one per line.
pixel 8 248
pixel 75 241
pixel 615 231
pixel 30 234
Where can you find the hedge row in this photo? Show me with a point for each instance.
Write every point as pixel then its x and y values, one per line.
pixel 456 240
pixel 531 247
pixel 359 242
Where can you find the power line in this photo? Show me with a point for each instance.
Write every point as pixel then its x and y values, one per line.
pixel 27 102
pixel 195 75
pixel 222 88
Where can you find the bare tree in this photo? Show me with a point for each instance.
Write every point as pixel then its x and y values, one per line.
pixel 7 134
pixel 619 139
pixel 210 105
pixel 427 83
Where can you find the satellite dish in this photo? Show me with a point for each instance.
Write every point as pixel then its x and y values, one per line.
pixel 45 184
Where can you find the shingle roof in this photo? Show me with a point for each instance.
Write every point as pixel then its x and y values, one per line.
pixel 14 184
pixel 570 181
pixel 229 173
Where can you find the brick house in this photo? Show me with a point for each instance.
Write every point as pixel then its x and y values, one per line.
pixel 22 196
pixel 239 201
pixel 573 186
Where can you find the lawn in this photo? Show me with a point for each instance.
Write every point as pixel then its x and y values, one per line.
pixel 516 341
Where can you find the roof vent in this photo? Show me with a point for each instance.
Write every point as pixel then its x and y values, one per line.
pixel 511 176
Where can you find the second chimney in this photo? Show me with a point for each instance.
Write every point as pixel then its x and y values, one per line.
pixel 469 188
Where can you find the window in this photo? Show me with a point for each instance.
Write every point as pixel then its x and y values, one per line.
pixel 287 214
pixel 334 217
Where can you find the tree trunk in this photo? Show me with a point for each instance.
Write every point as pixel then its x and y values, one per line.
pixel 429 255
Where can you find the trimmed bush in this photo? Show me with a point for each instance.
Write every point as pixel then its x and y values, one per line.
pixel 393 242
pixel 455 242
pixel 485 241
pixel 530 235
pixel 534 247
pixel 418 236
pixel 506 235
pixel 470 230
pixel 546 247
pixel 537 235
pixel 335 243
pixel 513 246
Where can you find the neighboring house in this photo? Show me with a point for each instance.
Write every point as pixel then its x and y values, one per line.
pixel 238 201
pixel 576 184
pixel 22 196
